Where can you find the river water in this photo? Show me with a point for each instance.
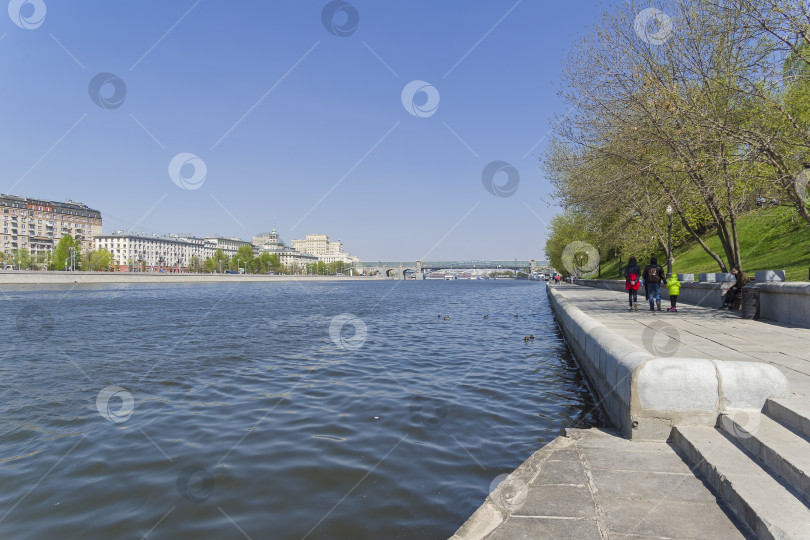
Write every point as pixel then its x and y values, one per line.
pixel 289 410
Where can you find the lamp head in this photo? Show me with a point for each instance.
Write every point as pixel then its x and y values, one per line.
pixel 669 210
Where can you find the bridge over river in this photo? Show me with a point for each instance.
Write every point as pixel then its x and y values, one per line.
pixel 398 269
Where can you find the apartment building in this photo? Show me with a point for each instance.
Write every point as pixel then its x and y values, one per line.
pixel 289 257
pixel 229 246
pixel 171 253
pixel 37 225
pixel 325 250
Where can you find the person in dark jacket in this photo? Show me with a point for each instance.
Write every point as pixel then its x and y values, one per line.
pixel 742 279
pixel 653 277
pixel 632 276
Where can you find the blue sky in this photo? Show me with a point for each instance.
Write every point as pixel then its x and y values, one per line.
pixel 297 127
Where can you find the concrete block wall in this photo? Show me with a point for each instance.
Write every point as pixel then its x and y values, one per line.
pixel 700 294
pixel 642 395
pixel 762 276
pixel 785 302
pixel 707 294
pixel 713 277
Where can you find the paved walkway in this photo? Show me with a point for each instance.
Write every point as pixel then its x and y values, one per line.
pixel 593 484
pixel 699 332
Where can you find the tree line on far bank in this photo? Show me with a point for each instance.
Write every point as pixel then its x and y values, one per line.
pixel 264 263
pixel 702 106
pixel 102 260
pixel 60 258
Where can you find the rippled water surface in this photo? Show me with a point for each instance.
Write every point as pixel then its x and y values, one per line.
pixel 247 418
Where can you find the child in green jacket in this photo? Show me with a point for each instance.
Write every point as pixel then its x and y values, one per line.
pixel 674 287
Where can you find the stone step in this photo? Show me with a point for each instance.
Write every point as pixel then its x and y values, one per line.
pixel 791 412
pixel 783 452
pixel 758 500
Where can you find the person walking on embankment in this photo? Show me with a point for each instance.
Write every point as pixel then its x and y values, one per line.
pixel 632 276
pixel 674 287
pixel 653 276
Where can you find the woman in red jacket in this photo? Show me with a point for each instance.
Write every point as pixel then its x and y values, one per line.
pixel 632 276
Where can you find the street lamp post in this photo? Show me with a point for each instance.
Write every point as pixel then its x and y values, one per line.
pixel 669 241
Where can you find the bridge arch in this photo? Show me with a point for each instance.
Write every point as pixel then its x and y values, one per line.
pixel 399 272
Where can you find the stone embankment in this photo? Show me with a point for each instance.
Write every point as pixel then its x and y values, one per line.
pixel 696 398
pixel 643 390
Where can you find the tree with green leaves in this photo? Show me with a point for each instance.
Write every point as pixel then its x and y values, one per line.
pixel 776 132
pixel 317 268
pixel 265 263
pixel 569 231
pixel 336 267
pixel 218 263
pixel 677 121
pixel 275 264
pixel 243 258
pixel 100 260
pixel 40 260
pixel 22 259
pixel 195 264
pixel 61 254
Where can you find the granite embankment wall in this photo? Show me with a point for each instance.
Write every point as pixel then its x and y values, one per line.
pixel 8 277
pixel 785 302
pixel 694 293
pixel 643 395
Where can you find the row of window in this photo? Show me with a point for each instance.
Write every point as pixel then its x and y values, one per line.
pixel 56 215
pixel 40 207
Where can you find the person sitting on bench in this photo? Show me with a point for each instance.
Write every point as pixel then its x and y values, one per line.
pixel 736 289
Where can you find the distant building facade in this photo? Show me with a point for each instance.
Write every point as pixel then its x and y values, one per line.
pixel 325 250
pixel 134 251
pixel 163 253
pixel 229 246
pixel 289 257
pixel 37 225
pixel 174 253
pixel 268 241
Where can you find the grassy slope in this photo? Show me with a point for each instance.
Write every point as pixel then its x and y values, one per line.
pixel 768 240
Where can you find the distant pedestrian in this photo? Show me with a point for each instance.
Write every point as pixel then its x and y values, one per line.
pixel 653 276
pixel 632 276
pixel 674 287
pixel 558 278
